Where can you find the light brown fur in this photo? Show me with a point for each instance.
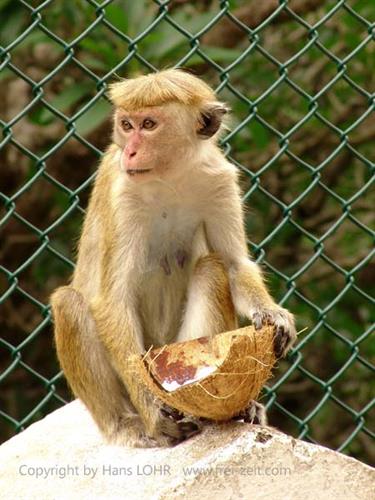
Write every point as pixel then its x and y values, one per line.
pixel 162 256
pixel 162 88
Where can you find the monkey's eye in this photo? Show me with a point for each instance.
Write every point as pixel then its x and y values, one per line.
pixel 126 125
pixel 148 124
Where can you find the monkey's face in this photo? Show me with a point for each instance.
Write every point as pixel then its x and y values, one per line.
pixel 152 140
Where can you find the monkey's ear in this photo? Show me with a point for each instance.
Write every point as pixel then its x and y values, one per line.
pixel 211 120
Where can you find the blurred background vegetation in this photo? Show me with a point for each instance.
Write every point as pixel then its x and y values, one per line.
pixel 299 77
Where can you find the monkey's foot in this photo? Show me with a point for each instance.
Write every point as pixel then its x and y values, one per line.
pixel 133 440
pixel 285 330
pixel 130 433
pixel 255 413
pixel 176 427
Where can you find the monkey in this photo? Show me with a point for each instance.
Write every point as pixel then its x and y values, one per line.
pixel 162 257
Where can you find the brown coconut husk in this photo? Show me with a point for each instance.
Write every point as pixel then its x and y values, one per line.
pixel 212 378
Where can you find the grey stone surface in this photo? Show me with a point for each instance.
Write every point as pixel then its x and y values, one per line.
pixel 228 461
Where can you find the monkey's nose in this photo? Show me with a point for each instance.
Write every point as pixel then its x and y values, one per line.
pixel 132 153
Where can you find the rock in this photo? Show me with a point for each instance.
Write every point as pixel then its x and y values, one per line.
pixel 63 456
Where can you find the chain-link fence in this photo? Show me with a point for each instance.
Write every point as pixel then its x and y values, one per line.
pixel 299 76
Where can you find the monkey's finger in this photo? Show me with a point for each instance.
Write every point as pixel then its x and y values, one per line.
pixel 188 427
pixel 182 436
pixel 280 341
pixel 257 321
pixel 255 413
pixel 180 430
pixel 169 412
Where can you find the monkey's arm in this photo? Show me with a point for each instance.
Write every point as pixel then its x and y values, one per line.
pixel 120 333
pixel 226 236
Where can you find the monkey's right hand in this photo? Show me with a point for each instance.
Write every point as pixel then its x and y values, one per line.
pixel 175 426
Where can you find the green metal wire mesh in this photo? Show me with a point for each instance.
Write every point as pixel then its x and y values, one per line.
pixel 298 76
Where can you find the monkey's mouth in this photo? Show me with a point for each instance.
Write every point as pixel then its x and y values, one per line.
pixel 138 171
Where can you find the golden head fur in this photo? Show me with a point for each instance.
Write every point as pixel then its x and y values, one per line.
pixel 156 89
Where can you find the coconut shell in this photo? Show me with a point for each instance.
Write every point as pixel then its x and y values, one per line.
pixel 216 377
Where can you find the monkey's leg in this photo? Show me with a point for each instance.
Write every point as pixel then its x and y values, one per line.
pixel 209 307
pixel 210 310
pixel 89 373
pixel 116 332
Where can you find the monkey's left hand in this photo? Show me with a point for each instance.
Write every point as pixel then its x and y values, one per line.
pixel 285 330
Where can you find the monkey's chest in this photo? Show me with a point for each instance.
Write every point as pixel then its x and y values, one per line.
pixel 171 238
pixel 163 288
